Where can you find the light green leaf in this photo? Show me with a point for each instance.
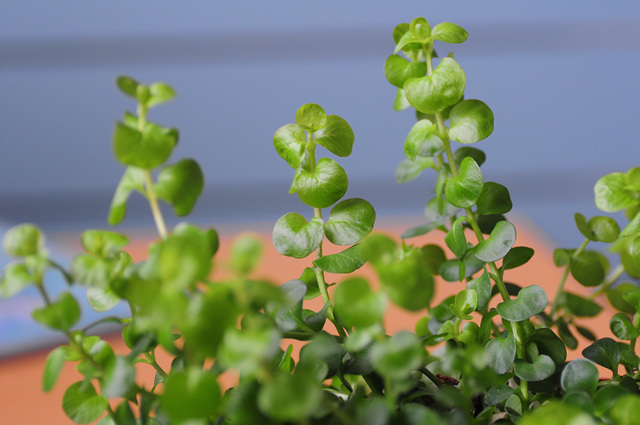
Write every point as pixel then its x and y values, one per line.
pixel 398 70
pixel 434 93
pixel 337 136
pixel 357 305
pixel 180 185
pixel 160 93
pixel 397 356
pixel 132 179
pixel 119 377
pixel 246 252
pixel 633 228
pixel 347 261
pixel 466 301
pixel 61 314
pixel 103 243
pixel 612 194
pixel 23 240
pixel 455 239
pixel 498 244
pixel 400 103
pixel 529 302
pixel 350 221
pixel 407 41
pixel 423 140
pixel 324 186
pixel 146 149
pixel 449 33
pixel 274 398
pixel 289 141
pixel 52 368
pixel 15 277
pixel 102 299
pixel 482 287
pixel 127 85
pixel 470 121
pixel 294 237
pixel 464 189
pixel 420 28
pixel 311 117
pixel 82 404
pixel 409 170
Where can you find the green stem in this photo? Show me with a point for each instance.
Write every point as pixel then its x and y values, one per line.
pixel 610 280
pixel 563 280
pixel 524 385
pixel 151 359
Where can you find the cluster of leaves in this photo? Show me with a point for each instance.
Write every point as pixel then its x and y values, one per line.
pixel 488 354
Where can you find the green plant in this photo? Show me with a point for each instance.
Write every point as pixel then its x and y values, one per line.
pixel 493 353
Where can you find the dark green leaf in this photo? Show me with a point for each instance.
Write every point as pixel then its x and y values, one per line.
pixel 82 404
pixel 549 344
pixel 433 93
pixel 541 368
pixel 433 257
pixel 289 141
pixel 470 121
pixel 274 398
pixel 616 297
pixel 23 240
pixel 588 268
pixel 190 394
pixel 494 199
pixel 561 257
pixel 604 352
pixel 464 189
pixel 580 375
pixel 501 352
pixel 530 301
pixel 516 257
pixel 498 244
pixel 356 305
pixel 337 136
pixel 580 306
pixel 324 186
pixel 62 314
pixel 449 270
pixel 347 261
pixel 311 117
pixel 398 70
pixel 498 394
pixel 482 286
pixel 180 185
pixel 294 237
pixel 468 151
pixel 422 229
pixel 350 221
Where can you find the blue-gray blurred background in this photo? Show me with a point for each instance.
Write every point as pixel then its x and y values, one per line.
pixel 561 78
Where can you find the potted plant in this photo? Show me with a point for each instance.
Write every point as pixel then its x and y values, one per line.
pixel 493 353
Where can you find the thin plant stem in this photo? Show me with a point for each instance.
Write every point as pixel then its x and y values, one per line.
pixel 563 280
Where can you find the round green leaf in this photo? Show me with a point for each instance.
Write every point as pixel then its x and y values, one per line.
pixel 455 238
pixel 180 185
pixel 409 170
pixel 498 244
pixel 82 404
pixel 15 277
pixel 52 368
pixel 23 240
pixel 290 143
pixel 132 179
pixel 550 344
pixel 247 350
pixel 529 302
pixel 588 268
pixel 145 149
pixel 466 301
pixel 294 237
pixel 580 375
pixel 622 328
pixel 350 221
pixel 275 397
pixel 612 194
pixel 423 140
pixel 626 410
pixel 337 136
pixel 397 356
pixel 604 352
pixel 482 287
pixel 580 306
pixel 434 93
pixel 324 186
pixel 246 252
pixel 62 314
pixel 398 70
pixel 420 28
pixel 127 85
pixel 190 394
pixel 311 117
pixel 347 261
pixel 356 304
pixel 605 229
pixel 616 297
pixel 103 243
pixel 119 377
pixel 501 352
pixel 407 41
pixel 102 299
pixel 541 368
pixel 469 151
pixel 470 121
pixel 498 394
pixel 160 93
pixel 449 33
pixel 494 199
pixel 516 257
pixel 406 279
pixel 464 189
